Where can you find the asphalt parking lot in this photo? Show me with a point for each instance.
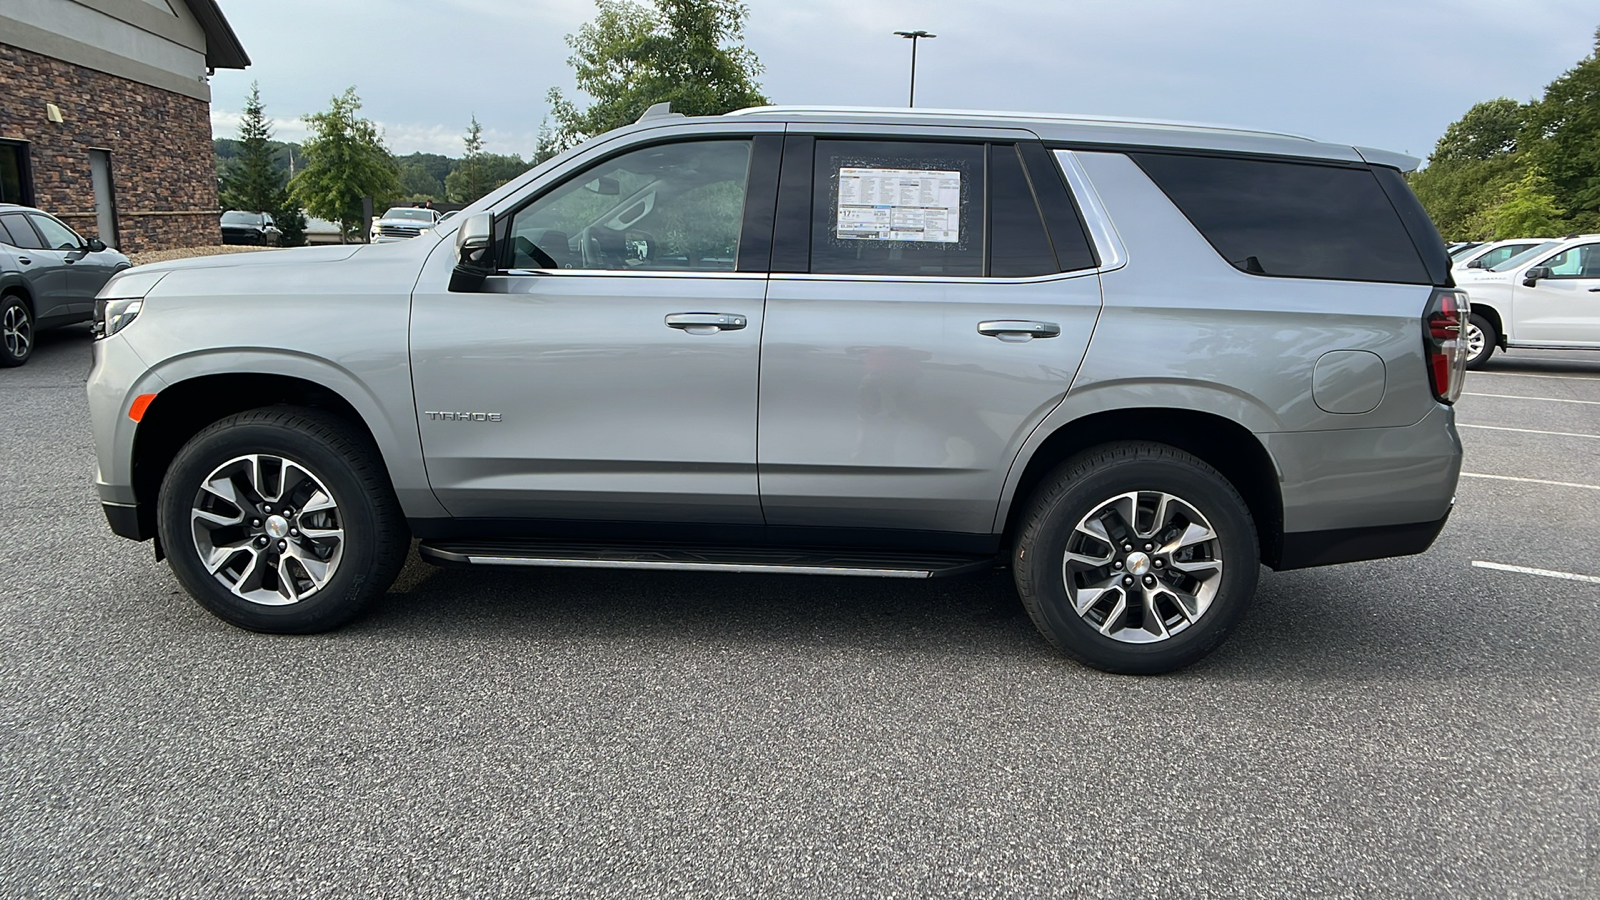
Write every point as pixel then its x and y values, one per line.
pixel 1418 727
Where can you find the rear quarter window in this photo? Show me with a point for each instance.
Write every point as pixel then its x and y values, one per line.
pixel 1291 219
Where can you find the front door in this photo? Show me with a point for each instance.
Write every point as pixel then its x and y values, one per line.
pixel 1565 307
pixel 608 371
pixel 937 317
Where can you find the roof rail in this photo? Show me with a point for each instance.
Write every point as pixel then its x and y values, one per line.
pixel 1068 118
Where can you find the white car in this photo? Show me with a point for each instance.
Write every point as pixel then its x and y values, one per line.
pixel 1545 298
pixel 403 223
pixel 1487 256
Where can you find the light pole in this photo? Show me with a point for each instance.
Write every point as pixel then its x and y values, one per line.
pixel 914 35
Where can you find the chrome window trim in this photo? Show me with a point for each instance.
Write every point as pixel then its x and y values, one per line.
pixel 634 273
pixel 933 279
pixel 1113 255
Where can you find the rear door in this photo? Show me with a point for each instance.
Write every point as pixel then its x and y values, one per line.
pixel 1565 307
pixel 923 316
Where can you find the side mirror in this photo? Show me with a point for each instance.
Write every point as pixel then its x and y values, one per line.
pixel 604 185
pixel 474 253
pixel 640 246
pixel 1478 264
pixel 95 245
pixel 1532 276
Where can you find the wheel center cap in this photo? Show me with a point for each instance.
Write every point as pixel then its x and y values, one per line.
pixel 1137 563
pixel 277 526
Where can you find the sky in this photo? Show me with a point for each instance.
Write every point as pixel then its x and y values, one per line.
pixel 1390 74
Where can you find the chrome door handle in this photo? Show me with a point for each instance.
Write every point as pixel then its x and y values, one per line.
pixel 706 323
pixel 1012 331
pixel 25 260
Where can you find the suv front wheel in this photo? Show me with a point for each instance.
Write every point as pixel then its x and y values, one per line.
pixel 1136 558
pixel 281 520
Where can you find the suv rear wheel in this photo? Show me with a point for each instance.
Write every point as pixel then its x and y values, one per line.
pixel 281 520
pixel 1136 558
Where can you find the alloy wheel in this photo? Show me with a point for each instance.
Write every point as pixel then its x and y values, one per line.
pixel 1142 567
pixel 16 331
pixel 1475 341
pixel 267 528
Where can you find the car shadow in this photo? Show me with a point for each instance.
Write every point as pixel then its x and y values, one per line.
pixel 1308 625
pixel 1543 362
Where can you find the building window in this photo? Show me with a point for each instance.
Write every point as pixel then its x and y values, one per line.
pixel 16 182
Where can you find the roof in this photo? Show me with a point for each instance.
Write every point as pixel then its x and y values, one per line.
pixel 1070 128
pixel 223 50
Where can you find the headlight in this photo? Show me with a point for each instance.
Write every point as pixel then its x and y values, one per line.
pixel 121 299
pixel 111 316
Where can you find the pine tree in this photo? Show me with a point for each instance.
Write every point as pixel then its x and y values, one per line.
pixel 250 183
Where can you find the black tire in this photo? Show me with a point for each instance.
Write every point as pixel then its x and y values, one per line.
pixel 1491 340
pixel 1084 484
pixel 374 538
pixel 16 331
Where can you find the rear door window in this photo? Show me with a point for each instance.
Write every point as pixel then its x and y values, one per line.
pixel 1291 219
pixel 897 208
pixel 16 231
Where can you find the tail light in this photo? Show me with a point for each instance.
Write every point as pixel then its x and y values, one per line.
pixel 1444 342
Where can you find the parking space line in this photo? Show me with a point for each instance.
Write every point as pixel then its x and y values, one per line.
pixel 1570 484
pixel 1543 573
pixel 1593 437
pixel 1532 375
pixel 1544 399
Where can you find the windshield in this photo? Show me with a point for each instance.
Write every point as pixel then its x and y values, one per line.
pixel 1517 261
pixel 410 212
pixel 234 217
pixel 1463 250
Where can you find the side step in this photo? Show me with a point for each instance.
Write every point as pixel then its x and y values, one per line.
pixel 572 555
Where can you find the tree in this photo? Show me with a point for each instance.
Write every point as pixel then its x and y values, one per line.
pixel 1472 167
pixel 465 184
pixel 345 160
pixel 480 172
pixel 1563 138
pixel 250 182
pixel 1527 208
pixel 690 53
pixel 253 180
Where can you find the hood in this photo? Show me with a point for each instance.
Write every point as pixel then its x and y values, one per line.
pixel 291 256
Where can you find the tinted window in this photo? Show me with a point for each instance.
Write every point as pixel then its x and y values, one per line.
pixel 670 206
pixel 19 234
pixel 56 235
pixel 897 208
pixel 1298 220
pixel 1500 254
pixel 1018 245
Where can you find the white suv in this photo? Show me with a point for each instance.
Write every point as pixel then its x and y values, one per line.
pixel 1545 298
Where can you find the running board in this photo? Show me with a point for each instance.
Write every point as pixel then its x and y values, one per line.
pixel 555 554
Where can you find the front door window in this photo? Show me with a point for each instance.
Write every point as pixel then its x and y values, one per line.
pixel 668 207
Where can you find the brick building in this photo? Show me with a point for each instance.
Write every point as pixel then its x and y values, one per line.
pixel 105 115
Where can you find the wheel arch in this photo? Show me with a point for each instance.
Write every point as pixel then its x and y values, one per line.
pixel 12 285
pixel 1218 441
pixel 1495 319
pixel 183 408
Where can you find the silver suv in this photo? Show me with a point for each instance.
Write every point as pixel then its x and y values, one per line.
pixel 1132 361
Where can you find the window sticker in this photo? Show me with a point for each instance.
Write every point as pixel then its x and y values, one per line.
pixel 899 205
